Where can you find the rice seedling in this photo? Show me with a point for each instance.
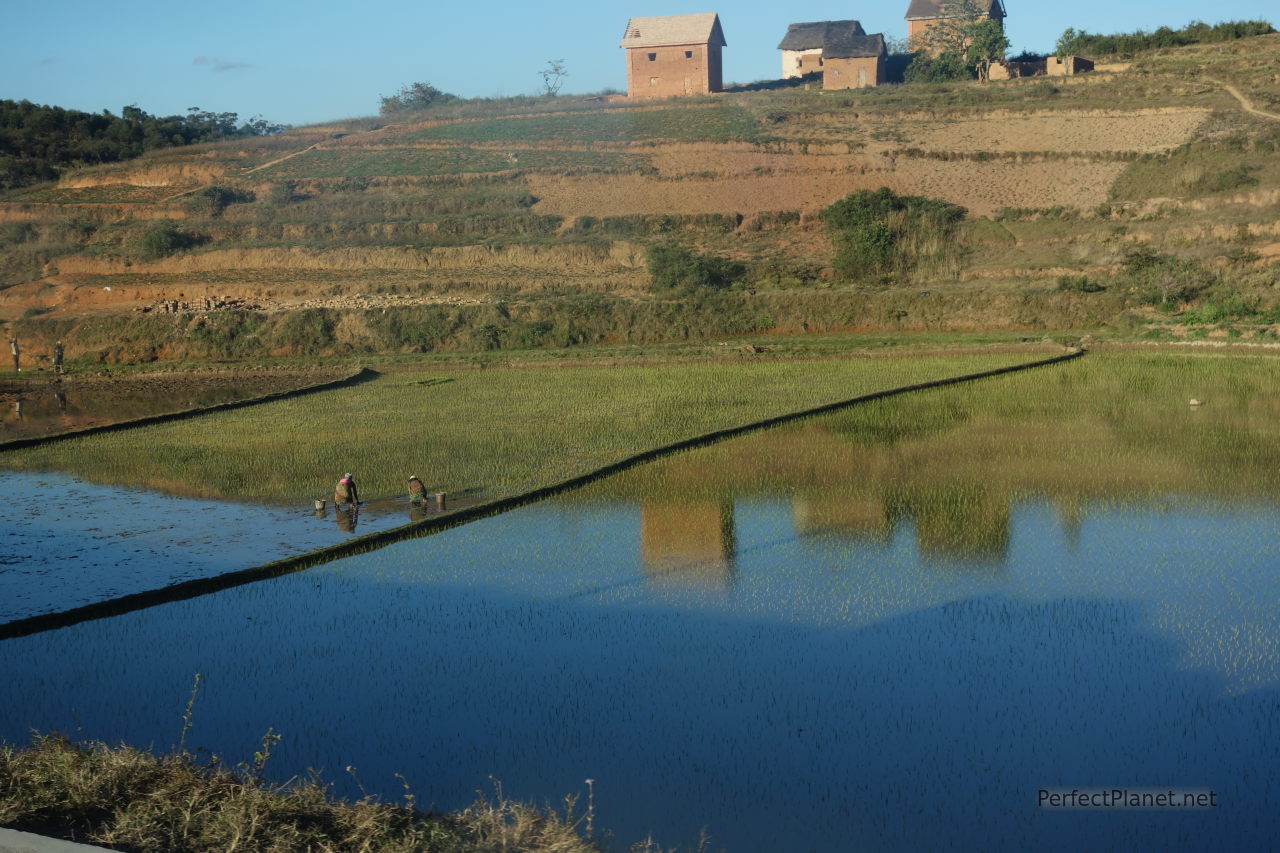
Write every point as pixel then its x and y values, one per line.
pixel 503 431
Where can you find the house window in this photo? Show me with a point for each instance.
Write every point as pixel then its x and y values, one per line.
pixel 652 57
pixel 688 54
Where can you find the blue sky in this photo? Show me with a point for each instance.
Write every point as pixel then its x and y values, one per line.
pixel 303 62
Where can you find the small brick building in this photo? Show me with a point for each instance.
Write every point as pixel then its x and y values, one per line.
pixel 857 62
pixel 1053 66
pixel 923 15
pixel 674 55
pixel 802 45
pixel 847 57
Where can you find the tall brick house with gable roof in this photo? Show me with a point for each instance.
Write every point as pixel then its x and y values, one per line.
pixel 674 55
pixel 922 15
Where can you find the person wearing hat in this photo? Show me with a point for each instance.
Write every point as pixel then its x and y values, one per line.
pixel 346 492
pixel 417 491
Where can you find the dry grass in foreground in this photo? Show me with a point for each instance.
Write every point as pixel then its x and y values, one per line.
pixel 130 799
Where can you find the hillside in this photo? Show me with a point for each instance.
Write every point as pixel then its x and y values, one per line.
pixel 1095 202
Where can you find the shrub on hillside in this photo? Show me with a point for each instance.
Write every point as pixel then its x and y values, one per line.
pixel 1228 179
pixel 1079 284
pixel 674 267
pixel 415 96
pixel 880 235
pixel 212 200
pixel 1165 281
pixel 163 240
pixel 285 192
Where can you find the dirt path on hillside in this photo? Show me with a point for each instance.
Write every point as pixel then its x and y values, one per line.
pixel 282 159
pixel 1245 102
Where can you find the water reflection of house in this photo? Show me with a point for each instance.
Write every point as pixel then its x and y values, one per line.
pixel 688 544
pixel 852 516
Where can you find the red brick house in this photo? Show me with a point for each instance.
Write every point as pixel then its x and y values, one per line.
pixel 674 55
pixel 923 15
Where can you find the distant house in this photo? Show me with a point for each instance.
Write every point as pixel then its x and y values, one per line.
pixel 802 45
pixel 1053 66
pixel 857 62
pixel 924 15
pixel 674 55
pixel 847 57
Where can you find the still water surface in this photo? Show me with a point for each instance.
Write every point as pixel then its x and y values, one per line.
pixel 807 640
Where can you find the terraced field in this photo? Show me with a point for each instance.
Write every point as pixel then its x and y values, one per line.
pixel 1061 179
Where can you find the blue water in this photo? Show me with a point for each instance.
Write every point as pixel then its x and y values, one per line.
pixel 746 665
pixel 66 543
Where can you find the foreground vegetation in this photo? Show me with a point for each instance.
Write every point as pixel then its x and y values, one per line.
pixel 502 431
pixel 131 799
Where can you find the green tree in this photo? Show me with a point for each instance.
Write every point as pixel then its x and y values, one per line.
pixel 163 240
pixel 414 97
pixel 673 267
pixel 937 69
pixel 950 32
pixel 212 200
pixel 879 235
pixel 987 44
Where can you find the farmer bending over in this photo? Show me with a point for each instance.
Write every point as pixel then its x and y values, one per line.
pixel 417 491
pixel 346 492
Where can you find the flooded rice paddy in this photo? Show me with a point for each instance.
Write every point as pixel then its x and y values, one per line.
pixel 65 543
pixel 885 629
pixel 42 407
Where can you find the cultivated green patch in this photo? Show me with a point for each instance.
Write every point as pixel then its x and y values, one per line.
pixel 394 162
pixel 502 431
pixel 713 123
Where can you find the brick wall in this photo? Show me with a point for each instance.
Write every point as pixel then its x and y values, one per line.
pixel 661 72
pixel 856 73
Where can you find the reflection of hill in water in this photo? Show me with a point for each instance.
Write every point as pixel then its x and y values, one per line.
pixel 688 544
pixel 951 463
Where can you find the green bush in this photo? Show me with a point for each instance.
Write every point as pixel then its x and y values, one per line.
pixel 939 69
pixel 212 200
pixel 285 192
pixel 15 233
pixel 1078 284
pixel 1224 181
pixel 163 240
pixel 674 267
pixel 1164 280
pixel 879 234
